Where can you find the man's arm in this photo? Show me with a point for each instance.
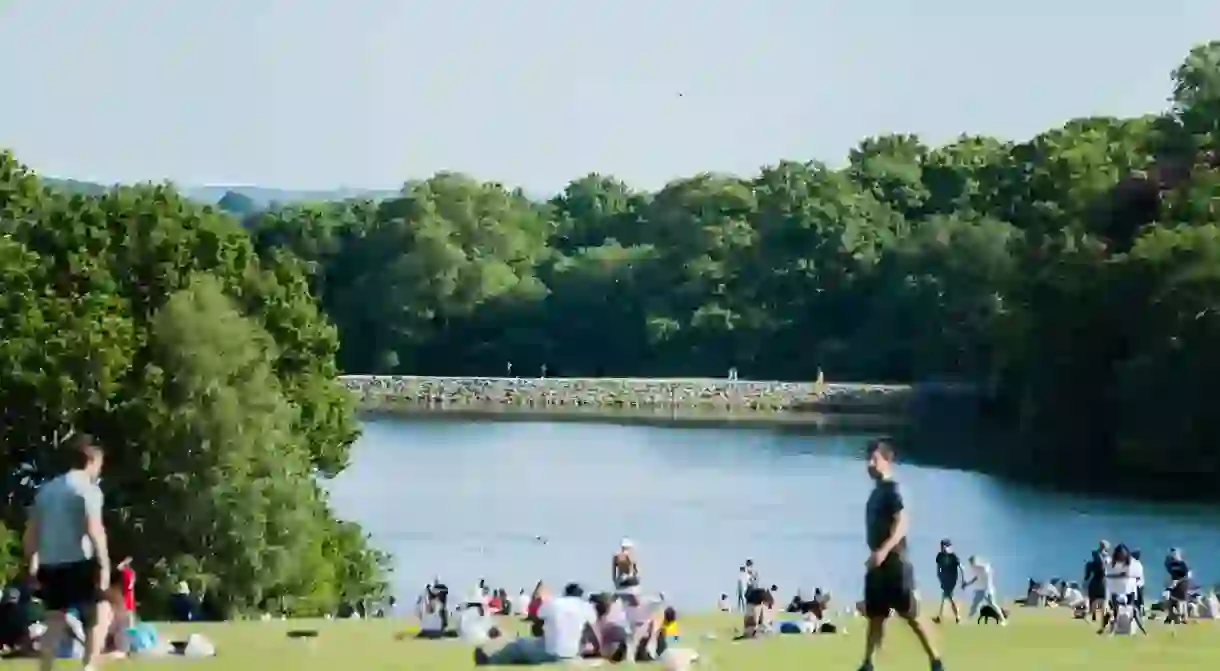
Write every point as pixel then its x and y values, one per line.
pixel 97 532
pixel 29 541
pixel 898 529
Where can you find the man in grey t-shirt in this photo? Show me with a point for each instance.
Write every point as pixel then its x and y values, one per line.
pixel 65 545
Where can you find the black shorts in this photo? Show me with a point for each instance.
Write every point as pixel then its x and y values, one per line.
pixel 947 589
pixel 890 587
pixel 64 586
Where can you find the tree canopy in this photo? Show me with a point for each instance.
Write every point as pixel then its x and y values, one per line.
pixel 1073 273
pixel 206 371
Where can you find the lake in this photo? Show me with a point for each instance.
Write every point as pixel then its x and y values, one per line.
pixel 466 499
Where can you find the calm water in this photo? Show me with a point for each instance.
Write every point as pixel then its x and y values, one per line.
pixel 465 500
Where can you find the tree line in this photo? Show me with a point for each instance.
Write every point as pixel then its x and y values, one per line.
pixel 1075 276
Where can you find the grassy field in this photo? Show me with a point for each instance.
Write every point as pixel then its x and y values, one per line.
pixel 1046 641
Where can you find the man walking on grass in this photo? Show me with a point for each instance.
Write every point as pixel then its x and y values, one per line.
pixel 65 547
pixel 949 573
pixel 889 583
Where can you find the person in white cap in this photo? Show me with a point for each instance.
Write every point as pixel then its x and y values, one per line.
pixel 624 572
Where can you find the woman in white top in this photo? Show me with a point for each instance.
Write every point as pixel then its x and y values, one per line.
pixel 984 592
pixel 1121 585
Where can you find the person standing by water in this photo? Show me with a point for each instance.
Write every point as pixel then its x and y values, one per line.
pixel 949 573
pixel 624 572
pixel 984 592
pixel 66 550
pixel 889 583
pixel 743 586
pixel 1095 583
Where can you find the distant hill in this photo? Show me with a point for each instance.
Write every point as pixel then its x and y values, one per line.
pixel 256 196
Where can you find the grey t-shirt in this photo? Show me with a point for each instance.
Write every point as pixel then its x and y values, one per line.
pixel 62 509
pixel 882 510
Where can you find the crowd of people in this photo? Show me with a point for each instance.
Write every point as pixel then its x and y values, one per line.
pixel 88 607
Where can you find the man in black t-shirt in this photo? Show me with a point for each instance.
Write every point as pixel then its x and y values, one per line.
pixel 1179 586
pixel 949 573
pixel 889 583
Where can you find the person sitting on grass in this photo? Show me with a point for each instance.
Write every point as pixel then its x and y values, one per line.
pixel 567 622
pixel 756 620
pixel 434 614
pixel 474 622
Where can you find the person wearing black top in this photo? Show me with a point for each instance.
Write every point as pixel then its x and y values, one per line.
pixel 889 582
pixel 1179 586
pixel 949 572
pixel 1095 583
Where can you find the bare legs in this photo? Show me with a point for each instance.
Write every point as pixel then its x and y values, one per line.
pixel 95 635
pixel 876 634
pixel 925 639
pixel 56 628
pixel 872 642
pixel 957 615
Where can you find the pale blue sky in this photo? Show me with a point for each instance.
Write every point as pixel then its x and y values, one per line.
pixel 369 93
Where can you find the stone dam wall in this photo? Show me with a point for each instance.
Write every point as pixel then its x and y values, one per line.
pixel 381 392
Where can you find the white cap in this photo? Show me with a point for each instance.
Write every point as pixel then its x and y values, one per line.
pixel 626 544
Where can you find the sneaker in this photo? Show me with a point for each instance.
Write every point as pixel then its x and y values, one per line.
pixel 938 666
pixel 480 657
pixel 867 666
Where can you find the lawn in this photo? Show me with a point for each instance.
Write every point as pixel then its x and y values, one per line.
pixel 1045 641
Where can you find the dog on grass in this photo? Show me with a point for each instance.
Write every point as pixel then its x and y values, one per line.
pixel 988 614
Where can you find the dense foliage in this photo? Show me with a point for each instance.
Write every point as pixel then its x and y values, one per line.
pixel 208 373
pixel 1075 275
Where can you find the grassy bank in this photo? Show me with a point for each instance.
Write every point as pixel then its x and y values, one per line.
pixel 1042 641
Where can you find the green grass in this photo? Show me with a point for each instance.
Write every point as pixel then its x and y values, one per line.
pixel 1043 641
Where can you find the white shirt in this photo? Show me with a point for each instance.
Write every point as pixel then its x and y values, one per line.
pixel 564 619
pixel 1211 606
pixel 473 627
pixel 1136 573
pixel 984 578
pixel 1123 584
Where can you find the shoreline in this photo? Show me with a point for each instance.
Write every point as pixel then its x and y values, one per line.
pixel 677 398
pixel 816 422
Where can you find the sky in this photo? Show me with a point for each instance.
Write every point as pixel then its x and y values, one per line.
pixel 370 93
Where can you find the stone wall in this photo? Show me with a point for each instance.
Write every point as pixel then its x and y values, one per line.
pixel 380 392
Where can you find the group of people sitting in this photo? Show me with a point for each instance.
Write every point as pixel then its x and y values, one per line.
pixel 619 626
pixel 759 613
pixel 614 626
pixel 23 626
